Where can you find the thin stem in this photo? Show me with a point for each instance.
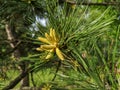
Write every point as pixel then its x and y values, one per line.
pixel 59 64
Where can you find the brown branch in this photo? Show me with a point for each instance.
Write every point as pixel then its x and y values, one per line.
pixel 10 34
pixel 16 52
pixel 13 83
pixel 11 51
pixel 91 3
pixel 100 4
pixel 8 41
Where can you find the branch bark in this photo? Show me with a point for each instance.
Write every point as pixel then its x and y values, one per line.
pixel 16 54
pixel 11 37
pixel 100 4
pixel 114 3
pixel 11 51
pixel 13 83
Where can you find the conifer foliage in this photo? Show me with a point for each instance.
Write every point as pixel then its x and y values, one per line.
pixel 76 49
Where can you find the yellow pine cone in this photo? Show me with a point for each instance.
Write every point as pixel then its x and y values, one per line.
pixel 47 47
pixel 52 44
pixel 39 49
pixel 44 40
pixel 51 32
pixel 59 54
pixel 54 35
pixel 47 37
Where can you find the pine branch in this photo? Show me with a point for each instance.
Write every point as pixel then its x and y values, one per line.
pixel 91 3
pixel 100 4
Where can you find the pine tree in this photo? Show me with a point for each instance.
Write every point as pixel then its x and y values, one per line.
pixel 77 48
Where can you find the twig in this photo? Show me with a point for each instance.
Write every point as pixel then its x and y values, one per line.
pixel 59 64
pixel 16 46
pixel 100 4
pixel 91 3
pixel 13 83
